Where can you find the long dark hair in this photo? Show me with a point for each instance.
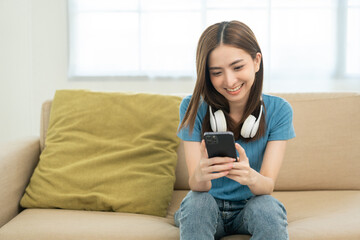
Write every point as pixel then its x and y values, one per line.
pixel 238 35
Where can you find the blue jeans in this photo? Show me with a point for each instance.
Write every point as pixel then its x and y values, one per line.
pixel 201 216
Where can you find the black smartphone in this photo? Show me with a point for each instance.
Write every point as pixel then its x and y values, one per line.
pixel 220 144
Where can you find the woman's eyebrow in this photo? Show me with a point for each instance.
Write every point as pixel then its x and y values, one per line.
pixel 213 68
pixel 236 61
pixel 233 63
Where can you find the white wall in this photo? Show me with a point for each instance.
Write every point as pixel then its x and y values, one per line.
pixel 33 65
pixel 16 89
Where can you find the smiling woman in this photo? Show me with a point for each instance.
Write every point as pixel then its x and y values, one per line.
pixel 232 71
pixel 229 79
pixel 229 75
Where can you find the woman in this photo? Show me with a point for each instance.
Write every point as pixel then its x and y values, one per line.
pixel 228 196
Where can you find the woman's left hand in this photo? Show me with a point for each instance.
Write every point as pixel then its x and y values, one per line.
pixel 241 171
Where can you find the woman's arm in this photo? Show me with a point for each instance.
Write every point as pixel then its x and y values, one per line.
pixel 203 169
pixel 263 182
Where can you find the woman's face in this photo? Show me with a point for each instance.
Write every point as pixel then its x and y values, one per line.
pixel 232 72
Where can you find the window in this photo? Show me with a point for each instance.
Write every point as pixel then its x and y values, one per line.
pixel 353 39
pixel 158 38
pixel 134 38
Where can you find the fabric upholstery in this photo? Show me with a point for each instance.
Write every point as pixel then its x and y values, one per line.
pixel 311 215
pixel 182 175
pixel 44 122
pixel 320 215
pixel 327 127
pixel 313 146
pixel 17 162
pixel 181 182
pixel 59 224
pixel 107 151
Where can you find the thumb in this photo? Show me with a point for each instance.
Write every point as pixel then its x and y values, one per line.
pixel 241 151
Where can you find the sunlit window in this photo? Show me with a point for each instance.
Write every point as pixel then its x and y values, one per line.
pixel 353 39
pixel 158 38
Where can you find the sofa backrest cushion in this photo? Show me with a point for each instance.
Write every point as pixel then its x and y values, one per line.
pixel 325 153
pixel 107 151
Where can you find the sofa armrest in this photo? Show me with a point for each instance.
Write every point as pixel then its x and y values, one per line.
pixel 18 160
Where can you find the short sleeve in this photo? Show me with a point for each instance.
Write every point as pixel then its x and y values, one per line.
pixel 282 123
pixel 184 133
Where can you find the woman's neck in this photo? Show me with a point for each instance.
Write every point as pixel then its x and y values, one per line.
pixel 237 111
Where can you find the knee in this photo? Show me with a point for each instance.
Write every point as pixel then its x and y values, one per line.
pixel 267 208
pixel 266 218
pixel 198 216
pixel 198 202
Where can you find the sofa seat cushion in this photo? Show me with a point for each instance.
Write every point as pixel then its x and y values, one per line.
pixel 320 215
pixel 59 224
pixel 311 215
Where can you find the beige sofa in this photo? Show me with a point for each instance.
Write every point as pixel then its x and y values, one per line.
pixel 319 183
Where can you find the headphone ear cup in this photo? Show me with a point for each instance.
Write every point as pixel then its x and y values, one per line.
pixel 251 125
pixel 220 121
pixel 212 121
pixel 255 128
pixel 248 126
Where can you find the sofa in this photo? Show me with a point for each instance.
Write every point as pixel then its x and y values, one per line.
pixel 319 182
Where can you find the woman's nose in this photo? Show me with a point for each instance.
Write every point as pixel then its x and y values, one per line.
pixel 230 78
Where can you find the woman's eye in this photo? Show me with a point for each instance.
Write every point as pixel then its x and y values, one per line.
pixel 239 67
pixel 216 73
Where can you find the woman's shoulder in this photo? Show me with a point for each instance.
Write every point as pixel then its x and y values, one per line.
pixel 279 115
pixel 274 101
pixel 276 106
pixel 272 98
pixel 187 97
pixel 185 102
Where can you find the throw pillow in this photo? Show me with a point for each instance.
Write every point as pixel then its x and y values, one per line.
pixel 107 152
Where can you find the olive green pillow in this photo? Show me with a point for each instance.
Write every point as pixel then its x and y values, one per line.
pixel 109 152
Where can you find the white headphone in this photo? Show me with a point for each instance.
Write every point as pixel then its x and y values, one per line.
pixel 248 130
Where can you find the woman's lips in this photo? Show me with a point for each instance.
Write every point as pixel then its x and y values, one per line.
pixel 234 91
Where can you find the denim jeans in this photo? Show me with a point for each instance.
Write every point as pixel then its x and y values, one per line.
pixel 201 216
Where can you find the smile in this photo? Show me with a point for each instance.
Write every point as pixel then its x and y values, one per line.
pixel 234 90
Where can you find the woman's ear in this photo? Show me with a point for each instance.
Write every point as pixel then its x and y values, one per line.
pixel 257 61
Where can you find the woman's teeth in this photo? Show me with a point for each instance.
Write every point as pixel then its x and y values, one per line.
pixel 234 89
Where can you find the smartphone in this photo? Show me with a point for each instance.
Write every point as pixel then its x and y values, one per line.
pixel 220 144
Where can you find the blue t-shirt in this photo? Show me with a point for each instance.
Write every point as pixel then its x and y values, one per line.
pixel 279 126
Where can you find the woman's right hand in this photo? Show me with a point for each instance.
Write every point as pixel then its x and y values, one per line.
pixel 212 168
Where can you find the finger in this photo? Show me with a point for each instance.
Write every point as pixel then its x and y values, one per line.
pixel 241 151
pixel 241 165
pixel 239 173
pixel 220 167
pixel 220 160
pixel 234 176
pixel 218 175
